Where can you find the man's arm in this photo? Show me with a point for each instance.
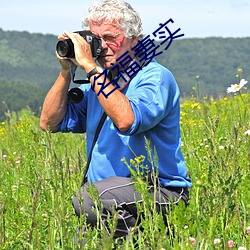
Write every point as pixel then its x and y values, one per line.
pixel 55 103
pixel 117 105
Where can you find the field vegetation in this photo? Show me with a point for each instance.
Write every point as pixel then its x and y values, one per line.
pixel 40 172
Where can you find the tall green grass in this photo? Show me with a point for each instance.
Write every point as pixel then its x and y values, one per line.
pixel 40 172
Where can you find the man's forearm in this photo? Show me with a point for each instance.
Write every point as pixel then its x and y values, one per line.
pixel 55 103
pixel 116 105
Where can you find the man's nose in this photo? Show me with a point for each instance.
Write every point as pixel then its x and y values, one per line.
pixel 104 44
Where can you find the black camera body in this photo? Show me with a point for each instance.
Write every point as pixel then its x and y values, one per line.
pixel 65 48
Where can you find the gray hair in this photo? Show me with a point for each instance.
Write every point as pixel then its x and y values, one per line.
pixel 118 12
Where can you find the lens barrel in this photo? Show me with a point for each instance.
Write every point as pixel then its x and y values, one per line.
pixel 65 48
pixel 75 95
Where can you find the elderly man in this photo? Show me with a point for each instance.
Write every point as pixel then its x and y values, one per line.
pixel 140 107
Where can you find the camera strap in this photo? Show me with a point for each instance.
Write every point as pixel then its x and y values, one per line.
pixel 99 126
pixel 82 81
pixel 97 132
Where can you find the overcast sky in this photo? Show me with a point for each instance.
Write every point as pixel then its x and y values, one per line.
pixel 196 18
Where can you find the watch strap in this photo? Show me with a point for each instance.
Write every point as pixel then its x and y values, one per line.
pixel 92 72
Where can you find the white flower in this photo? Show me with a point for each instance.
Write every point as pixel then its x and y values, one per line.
pixel 217 241
pixel 246 133
pixel 22 210
pixel 242 248
pixel 237 87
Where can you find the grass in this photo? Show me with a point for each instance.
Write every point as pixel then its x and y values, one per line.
pixel 40 172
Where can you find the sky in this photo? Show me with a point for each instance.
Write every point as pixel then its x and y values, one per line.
pixel 195 18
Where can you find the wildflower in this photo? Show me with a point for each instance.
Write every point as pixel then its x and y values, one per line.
pixel 192 240
pixel 132 162
pixel 14 188
pixel 45 216
pixel 230 244
pixel 195 106
pixel 216 241
pixel 242 248
pixel 22 210
pixel 248 230
pixel 240 70
pixel 137 159
pixel 198 182
pixel 237 87
pixel 247 133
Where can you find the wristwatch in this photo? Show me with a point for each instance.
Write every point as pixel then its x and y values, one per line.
pixel 97 70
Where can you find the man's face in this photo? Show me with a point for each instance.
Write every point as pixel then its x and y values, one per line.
pixel 114 42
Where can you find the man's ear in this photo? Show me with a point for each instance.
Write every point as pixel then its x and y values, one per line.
pixel 134 41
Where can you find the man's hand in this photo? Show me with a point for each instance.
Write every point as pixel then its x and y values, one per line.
pixel 66 63
pixel 83 54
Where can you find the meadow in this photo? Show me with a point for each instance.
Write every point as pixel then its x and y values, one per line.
pixel 40 172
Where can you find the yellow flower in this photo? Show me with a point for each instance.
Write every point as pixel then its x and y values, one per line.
pixel 138 160
pixel 240 70
pixel 132 162
pixel 195 105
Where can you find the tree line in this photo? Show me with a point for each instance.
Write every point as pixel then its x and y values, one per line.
pixel 202 67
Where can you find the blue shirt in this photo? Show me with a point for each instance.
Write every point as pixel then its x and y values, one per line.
pixel 154 97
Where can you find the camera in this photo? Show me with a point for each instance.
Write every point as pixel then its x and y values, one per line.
pixel 65 48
